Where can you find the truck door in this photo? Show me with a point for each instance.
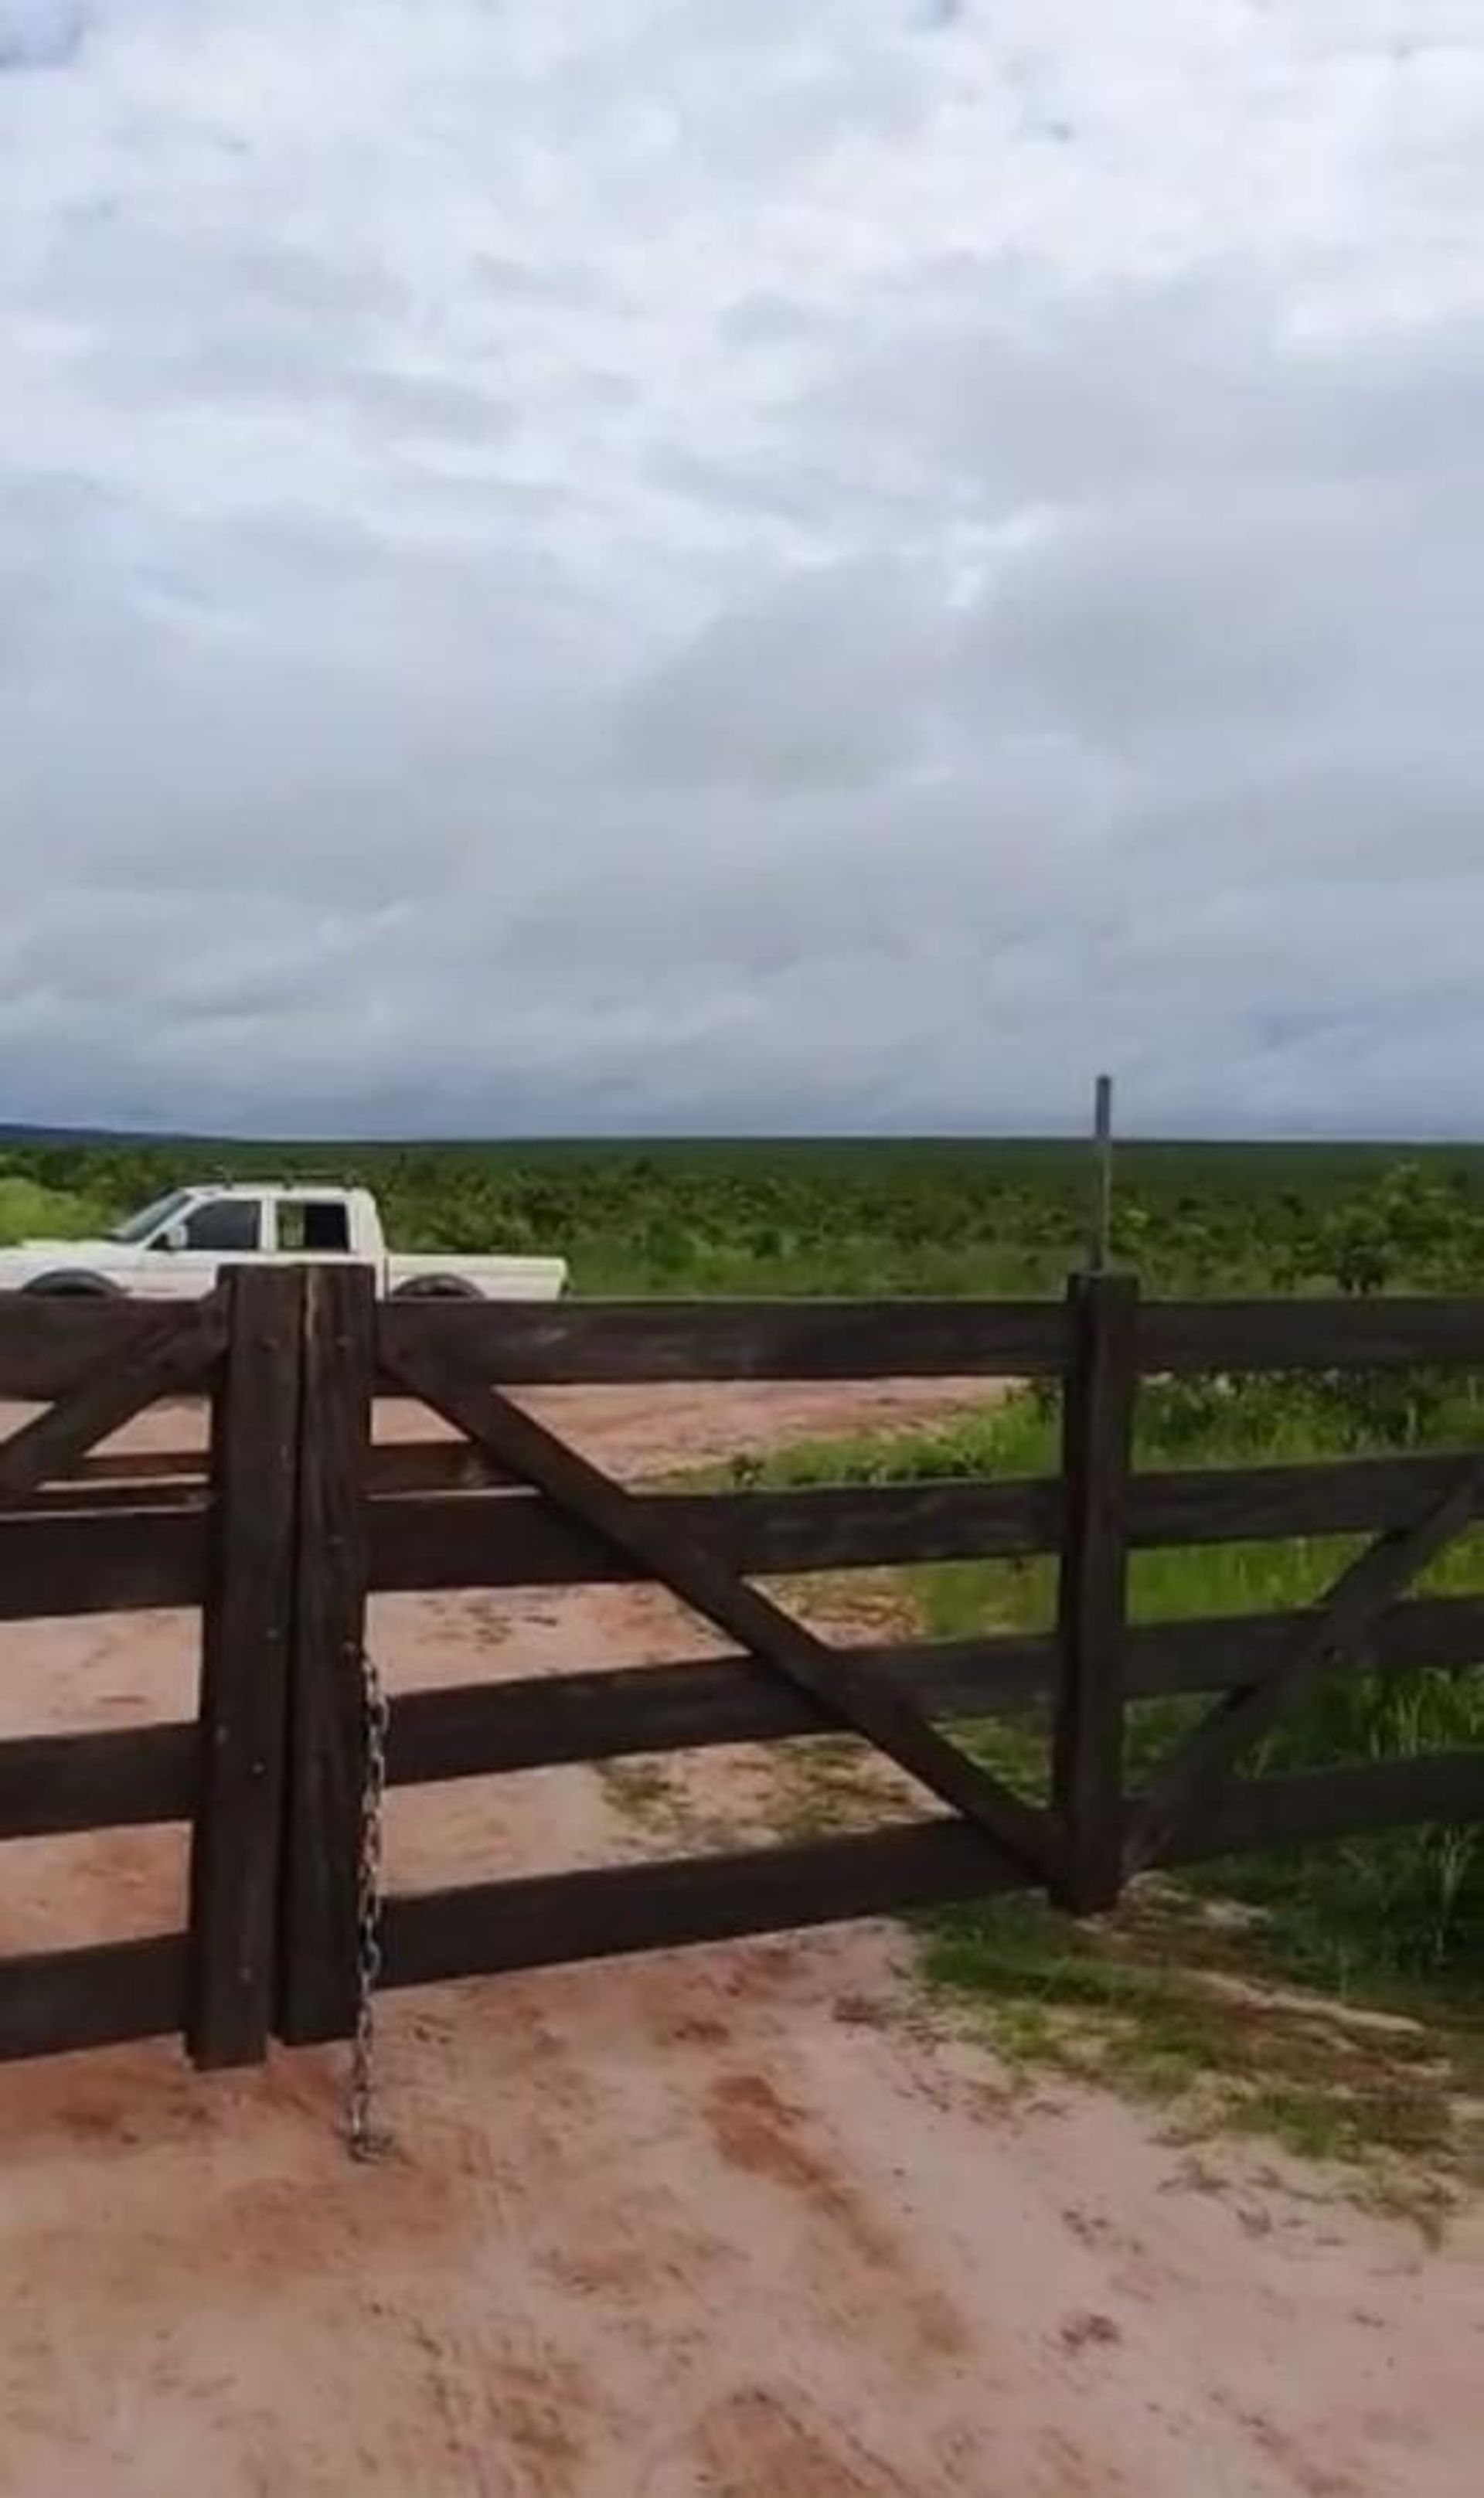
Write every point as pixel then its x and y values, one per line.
pixel 189 1251
pixel 314 1227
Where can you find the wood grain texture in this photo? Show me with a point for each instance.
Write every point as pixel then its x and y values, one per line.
pixel 543 1919
pixel 1308 1807
pixel 177 1351
pixel 1087 1719
pixel 536 1721
pixel 504 1538
pixel 120 1561
pixel 50 1347
pixel 317 1953
pixel 95 1996
pixel 521 1539
pixel 246 1638
pixel 602 1343
pixel 104 1780
pixel 1358 1333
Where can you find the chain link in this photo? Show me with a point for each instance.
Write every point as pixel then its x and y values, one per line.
pixel 365 2140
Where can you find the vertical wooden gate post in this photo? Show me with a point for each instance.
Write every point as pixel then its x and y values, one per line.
pixel 1087 1736
pixel 317 1945
pixel 244 1654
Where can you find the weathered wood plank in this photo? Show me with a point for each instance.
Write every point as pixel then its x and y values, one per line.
pixel 1165 1659
pixel 177 1350
pixel 697 1575
pixel 538 1721
pixel 326 1724
pixel 96 1995
pixel 84 1499
pixel 1307 1806
pixel 604 1343
pixel 102 1781
pixel 132 1469
pixel 1188 1781
pixel 1088 1721
pixel 1360 1333
pixel 246 1633
pixel 94 1561
pixel 50 1347
pixel 1253 1504
pixel 176 1477
pixel 537 1921
pixel 519 1539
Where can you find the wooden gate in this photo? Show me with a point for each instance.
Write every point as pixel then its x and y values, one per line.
pixel 297 1519
pixel 542 1513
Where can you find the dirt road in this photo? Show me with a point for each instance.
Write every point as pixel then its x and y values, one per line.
pixel 743 2223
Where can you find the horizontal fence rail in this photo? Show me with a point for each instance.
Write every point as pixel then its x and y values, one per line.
pixel 647 1343
pixel 109 1780
pixel 114 1561
pixel 539 1920
pixel 94 1995
pixel 540 1721
pixel 49 1347
pixel 639 1343
pixel 1183 1338
pixel 518 1539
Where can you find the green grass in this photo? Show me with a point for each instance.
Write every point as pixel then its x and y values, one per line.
pixel 1392 1923
pixel 1191 2016
pixel 28 1212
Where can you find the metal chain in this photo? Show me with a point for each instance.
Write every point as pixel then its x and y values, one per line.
pixel 365 2140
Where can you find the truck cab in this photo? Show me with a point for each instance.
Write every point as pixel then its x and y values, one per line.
pixel 238 1221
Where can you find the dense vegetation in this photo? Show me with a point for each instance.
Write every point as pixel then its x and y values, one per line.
pixel 889 1218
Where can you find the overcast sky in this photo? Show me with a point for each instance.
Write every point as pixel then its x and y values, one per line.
pixel 610 565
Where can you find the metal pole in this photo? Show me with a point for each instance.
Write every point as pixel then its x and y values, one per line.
pixel 1101 1231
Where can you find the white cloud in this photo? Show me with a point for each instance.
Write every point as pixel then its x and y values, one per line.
pixel 652 562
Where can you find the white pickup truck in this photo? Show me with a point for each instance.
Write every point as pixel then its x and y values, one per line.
pixel 177 1246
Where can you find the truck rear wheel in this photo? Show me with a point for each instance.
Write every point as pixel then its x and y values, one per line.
pixel 73 1288
pixel 435 1287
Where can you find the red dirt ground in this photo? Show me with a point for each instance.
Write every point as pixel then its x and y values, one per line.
pixel 739 2223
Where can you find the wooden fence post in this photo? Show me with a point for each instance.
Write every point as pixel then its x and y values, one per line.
pixel 236 1837
pixel 318 1929
pixel 1087 1737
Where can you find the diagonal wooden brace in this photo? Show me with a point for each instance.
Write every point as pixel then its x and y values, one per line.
pixel 176 1351
pixel 708 1584
pixel 1176 1799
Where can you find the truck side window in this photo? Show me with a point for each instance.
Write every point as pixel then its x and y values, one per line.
pixel 314 1227
pixel 231 1226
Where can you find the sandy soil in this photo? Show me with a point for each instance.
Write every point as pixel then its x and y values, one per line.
pixel 742 2222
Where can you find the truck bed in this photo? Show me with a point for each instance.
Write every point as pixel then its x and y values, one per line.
pixel 496 1279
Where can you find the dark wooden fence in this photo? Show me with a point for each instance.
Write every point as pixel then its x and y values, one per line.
pixel 282 1531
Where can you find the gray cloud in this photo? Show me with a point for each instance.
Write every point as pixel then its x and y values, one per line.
pixel 41 34
pixel 672 567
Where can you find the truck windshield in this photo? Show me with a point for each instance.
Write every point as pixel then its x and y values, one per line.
pixel 138 1227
